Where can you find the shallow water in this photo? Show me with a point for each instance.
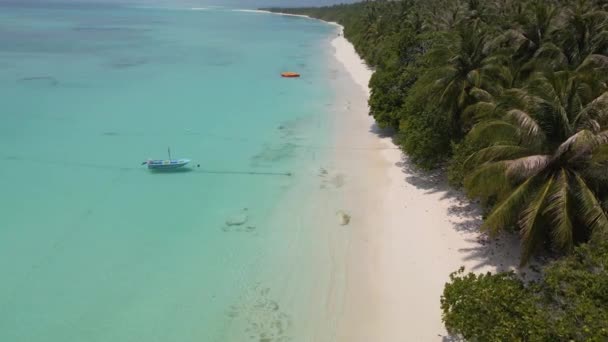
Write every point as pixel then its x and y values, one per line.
pixel 94 247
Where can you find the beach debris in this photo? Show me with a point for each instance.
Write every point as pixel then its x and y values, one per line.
pixel 262 315
pixel 343 218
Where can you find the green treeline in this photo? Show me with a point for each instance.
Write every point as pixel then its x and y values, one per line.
pixel 511 96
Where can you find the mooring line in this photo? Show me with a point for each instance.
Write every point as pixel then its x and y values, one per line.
pixel 130 168
pixel 258 173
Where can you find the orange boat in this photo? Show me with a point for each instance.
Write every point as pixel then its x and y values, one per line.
pixel 290 74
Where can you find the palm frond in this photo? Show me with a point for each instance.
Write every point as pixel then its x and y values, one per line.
pixel 530 222
pixel 506 212
pixel 481 95
pixel 547 87
pixel 602 138
pixel 495 153
pixel 558 211
pixel 593 125
pixel 527 124
pixel 596 109
pixel 497 76
pixel 600 155
pixel 511 38
pixel 590 209
pixel 487 180
pixel 592 62
pixel 488 131
pixel 474 78
pixel 529 166
pixel 595 173
pixel 520 98
pixel 479 110
pixel 551 54
pixel 581 143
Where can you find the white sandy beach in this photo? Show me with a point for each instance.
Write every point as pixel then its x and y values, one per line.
pixel 413 231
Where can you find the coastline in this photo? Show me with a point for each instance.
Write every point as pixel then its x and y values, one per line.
pixel 416 230
pixel 380 277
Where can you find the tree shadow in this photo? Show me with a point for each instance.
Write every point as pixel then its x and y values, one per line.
pixel 432 181
pixel 465 216
pixel 495 252
pixel 387 132
pixel 450 338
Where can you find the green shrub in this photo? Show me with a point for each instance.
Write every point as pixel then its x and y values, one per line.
pixel 570 302
pixel 425 137
pixel 457 170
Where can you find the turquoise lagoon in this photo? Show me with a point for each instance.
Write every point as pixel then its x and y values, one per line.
pixel 94 247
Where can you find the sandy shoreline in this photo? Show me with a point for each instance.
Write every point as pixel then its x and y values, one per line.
pixel 415 230
pixel 380 277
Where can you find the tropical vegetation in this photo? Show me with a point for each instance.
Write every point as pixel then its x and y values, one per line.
pixel 512 95
pixel 567 304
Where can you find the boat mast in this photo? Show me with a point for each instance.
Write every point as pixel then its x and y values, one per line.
pixel 169 151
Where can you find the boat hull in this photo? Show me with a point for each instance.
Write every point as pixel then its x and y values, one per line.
pixel 167 164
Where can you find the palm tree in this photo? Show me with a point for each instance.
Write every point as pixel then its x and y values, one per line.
pixel 527 45
pixel 585 33
pixel 542 162
pixel 465 54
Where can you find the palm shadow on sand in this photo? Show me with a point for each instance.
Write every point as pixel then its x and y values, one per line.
pixel 465 215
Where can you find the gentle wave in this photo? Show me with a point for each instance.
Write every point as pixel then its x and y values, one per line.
pixel 177 8
pixel 268 12
pixel 250 11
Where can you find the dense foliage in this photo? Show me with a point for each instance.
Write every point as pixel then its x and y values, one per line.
pixel 568 304
pixel 512 94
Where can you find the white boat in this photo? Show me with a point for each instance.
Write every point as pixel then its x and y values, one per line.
pixel 166 164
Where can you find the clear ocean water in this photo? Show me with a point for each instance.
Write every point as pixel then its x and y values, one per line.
pixel 94 247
